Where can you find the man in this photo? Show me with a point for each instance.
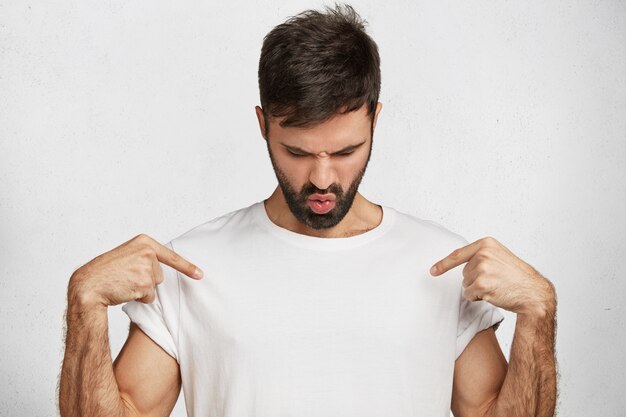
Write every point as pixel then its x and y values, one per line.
pixel 315 301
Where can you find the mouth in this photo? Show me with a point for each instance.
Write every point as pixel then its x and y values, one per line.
pixel 322 197
pixel 321 206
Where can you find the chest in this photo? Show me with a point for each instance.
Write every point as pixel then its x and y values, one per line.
pixel 299 306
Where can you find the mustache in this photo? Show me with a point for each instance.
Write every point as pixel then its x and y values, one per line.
pixel 307 191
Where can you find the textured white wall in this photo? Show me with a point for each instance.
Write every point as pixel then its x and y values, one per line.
pixel 500 118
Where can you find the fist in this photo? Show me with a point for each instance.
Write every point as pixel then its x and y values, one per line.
pixel 128 272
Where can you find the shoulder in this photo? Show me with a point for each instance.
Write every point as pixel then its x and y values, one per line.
pixel 227 225
pixel 427 230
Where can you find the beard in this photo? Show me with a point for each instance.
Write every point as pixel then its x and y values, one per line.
pixel 297 201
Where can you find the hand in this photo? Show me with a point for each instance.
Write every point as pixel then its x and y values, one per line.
pixel 496 275
pixel 128 272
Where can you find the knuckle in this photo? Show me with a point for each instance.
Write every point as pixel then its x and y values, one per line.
pixel 141 237
pixel 482 268
pixel 144 282
pixel 482 254
pixel 144 270
pixel 489 240
pixel 135 294
pixel 139 270
pixel 148 281
pixel 146 250
pixel 480 284
pixel 486 286
pixel 148 298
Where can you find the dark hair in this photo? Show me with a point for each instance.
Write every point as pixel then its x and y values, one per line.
pixel 316 65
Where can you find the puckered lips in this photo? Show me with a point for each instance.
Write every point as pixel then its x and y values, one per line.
pixel 321 204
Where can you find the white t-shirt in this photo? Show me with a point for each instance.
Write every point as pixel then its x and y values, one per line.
pixel 266 334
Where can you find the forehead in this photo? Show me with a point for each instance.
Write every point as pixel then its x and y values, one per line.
pixel 339 131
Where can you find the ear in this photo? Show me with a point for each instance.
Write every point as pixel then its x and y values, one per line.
pixel 261 119
pixel 379 107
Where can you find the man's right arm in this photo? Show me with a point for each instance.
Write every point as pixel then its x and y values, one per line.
pixel 147 376
pixel 88 386
pixel 144 381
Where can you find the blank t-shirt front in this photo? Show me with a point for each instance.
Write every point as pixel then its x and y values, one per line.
pixel 289 325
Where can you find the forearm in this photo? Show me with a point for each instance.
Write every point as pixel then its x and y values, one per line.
pixel 88 386
pixel 530 386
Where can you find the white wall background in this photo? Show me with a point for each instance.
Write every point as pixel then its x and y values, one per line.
pixel 500 118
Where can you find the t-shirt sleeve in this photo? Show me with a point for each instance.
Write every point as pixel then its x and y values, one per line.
pixel 475 316
pixel 159 320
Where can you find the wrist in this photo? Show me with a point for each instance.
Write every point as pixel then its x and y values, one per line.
pixel 543 306
pixel 80 298
pixel 537 313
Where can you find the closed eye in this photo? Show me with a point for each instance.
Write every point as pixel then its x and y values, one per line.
pixel 298 155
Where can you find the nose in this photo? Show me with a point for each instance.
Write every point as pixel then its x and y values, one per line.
pixel 322 173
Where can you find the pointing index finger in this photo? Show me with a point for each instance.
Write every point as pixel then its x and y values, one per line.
pixel 456 258
pixel 171 258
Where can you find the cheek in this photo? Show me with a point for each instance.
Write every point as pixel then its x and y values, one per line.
pixel 349 170
pixel 351 167
pixel 294 169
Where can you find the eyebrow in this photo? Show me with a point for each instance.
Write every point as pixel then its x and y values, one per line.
pixel 346 149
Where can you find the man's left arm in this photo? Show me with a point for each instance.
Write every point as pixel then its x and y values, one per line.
pixel 529 389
